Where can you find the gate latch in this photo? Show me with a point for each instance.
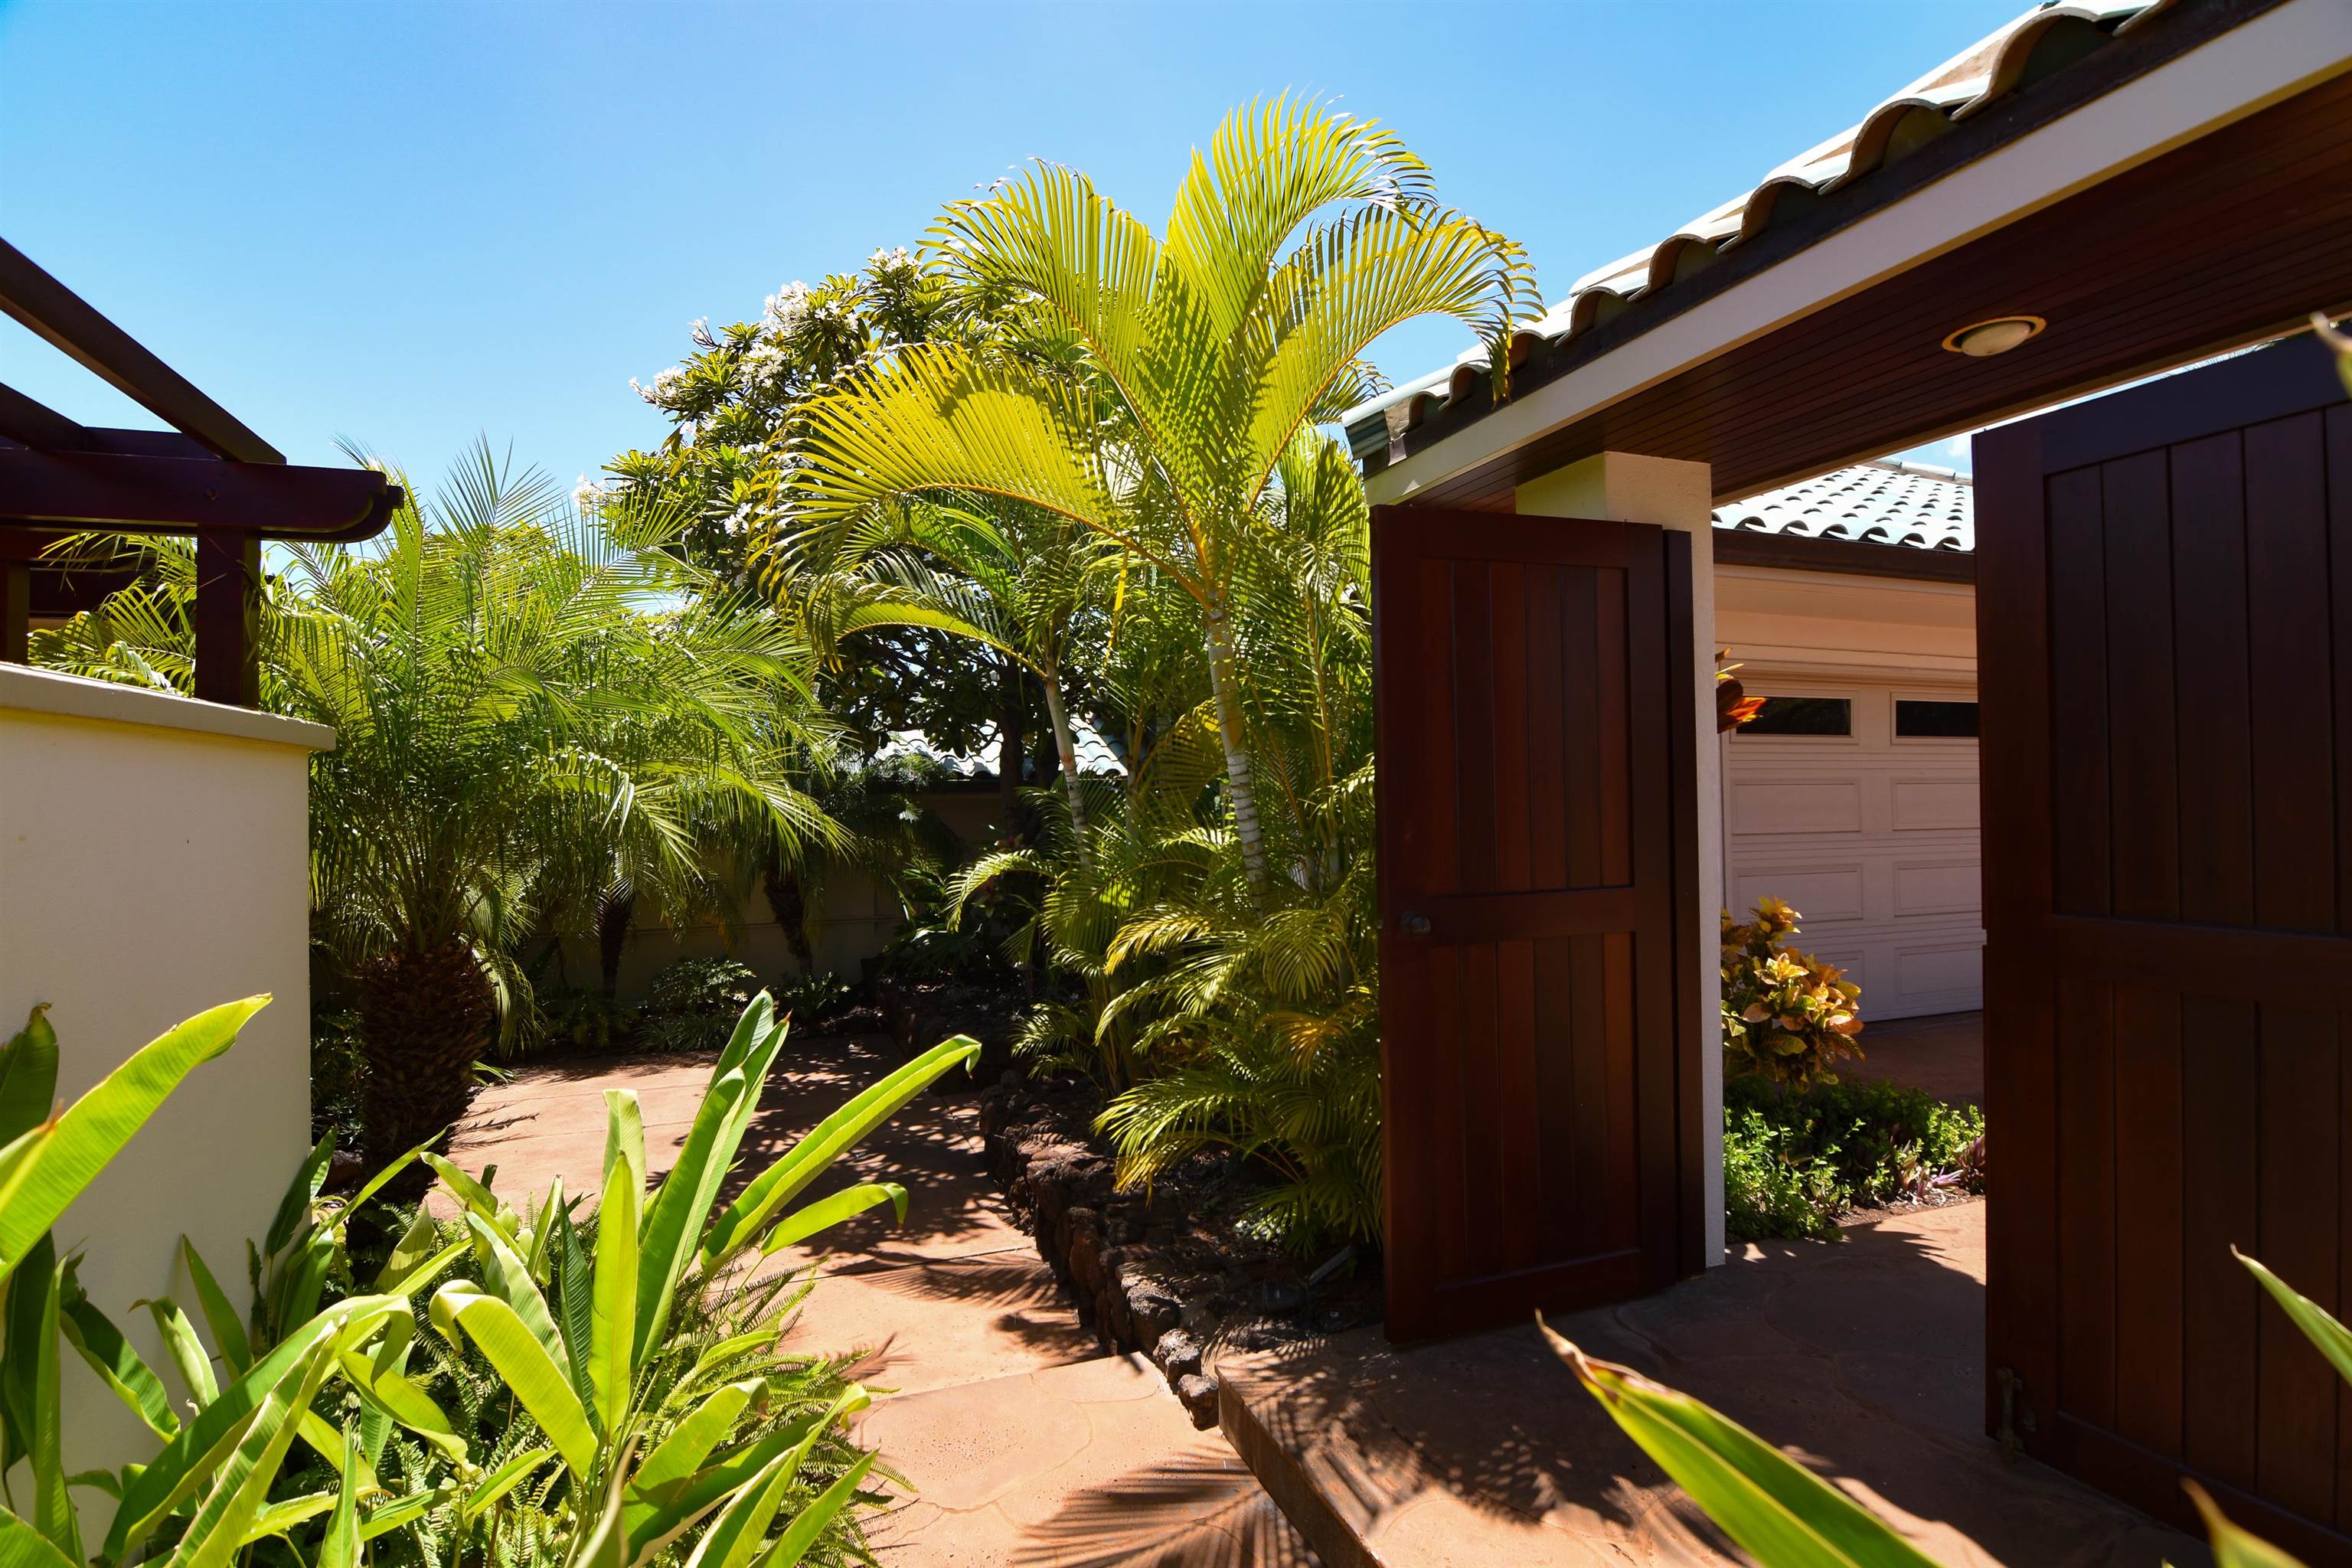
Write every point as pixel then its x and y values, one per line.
pixel 2011 1387
pixel 1413 925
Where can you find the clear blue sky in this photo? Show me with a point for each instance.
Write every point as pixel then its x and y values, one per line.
pixel 409 224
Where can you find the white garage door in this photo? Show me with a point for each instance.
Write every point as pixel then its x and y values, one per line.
pixel 1855 801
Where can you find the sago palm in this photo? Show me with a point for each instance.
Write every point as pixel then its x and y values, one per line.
pixel 1297 241
pixel 529 704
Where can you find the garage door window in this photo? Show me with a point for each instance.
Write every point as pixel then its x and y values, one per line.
pixel 1935 720
pixel 1802 716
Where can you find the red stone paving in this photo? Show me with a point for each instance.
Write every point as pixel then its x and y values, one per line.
pixel 1022 1442
pixel 1943 1055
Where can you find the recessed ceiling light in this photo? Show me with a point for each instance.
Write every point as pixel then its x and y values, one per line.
pixel 1984 339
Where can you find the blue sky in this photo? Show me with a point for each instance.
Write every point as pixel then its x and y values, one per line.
pixel 412 224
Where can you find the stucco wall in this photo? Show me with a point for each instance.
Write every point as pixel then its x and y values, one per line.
pixel 153 863
pixel 857 920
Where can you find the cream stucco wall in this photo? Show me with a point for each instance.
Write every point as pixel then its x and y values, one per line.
pixel 153 863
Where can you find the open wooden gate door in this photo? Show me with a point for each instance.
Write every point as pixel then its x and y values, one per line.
pixel 2165 666
pixel 1537 893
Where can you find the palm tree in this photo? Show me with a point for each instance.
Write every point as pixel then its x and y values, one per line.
pixel 531 704
pixel 1209 352
pixel 1012 578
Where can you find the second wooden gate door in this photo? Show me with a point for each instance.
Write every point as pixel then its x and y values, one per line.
pixel 1537 786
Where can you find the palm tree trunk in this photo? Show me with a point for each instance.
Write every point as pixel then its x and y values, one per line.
pixel 426 1017
pixel 1225 680
pixel 790 903
pixel 1011 748
pixel 616 907
pixel 1067 747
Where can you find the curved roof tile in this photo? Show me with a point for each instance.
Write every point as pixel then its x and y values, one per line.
pixel 2044 39
pixel 1888 501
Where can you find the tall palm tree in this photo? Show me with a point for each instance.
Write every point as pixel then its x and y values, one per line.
pixel 1209 352
pixel 529 703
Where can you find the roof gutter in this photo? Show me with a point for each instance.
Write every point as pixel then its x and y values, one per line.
pixel 2283 51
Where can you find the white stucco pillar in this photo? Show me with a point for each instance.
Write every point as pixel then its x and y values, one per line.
pixel 1668 493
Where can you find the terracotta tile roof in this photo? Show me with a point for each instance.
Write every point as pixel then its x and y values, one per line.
pixel 1889 501
pixel 2041 41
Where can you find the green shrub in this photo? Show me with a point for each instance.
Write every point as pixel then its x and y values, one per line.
pixel 576 1020
pixel 1786 1017
pixel 1794 1163
pixel 693 1003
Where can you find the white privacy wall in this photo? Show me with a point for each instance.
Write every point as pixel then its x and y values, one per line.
pixel 153 863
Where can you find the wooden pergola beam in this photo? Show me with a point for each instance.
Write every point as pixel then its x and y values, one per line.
pixel 58 314
pixel 36 424
pixel 110 492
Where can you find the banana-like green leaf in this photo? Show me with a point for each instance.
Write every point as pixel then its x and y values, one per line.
pixel 652 1527
pixel 205 1442
pixel 94 1129
pixel 781 1182
pixel 2233 1547
pixel 676 1458
pixel 29 1077
pixel 417 1244
pixel 509 1280
pixel 228 1329
pixel 537 1377
pixel 22 1546
pixel 280 1517
pixel 831 1210
pixel 625 1134
pixel 294 1205
pixel 477 1199
pixel 543 1230
pixel 419 1272
pixel 1778 1512
pixel 613 1331
pixel 382 1382
pixel 504 1480
pixel 675 1219
pixel 2330 1338
pixel 331 1444
pixel 31 1372
pixel 377 1182
pixel 340 1549
pixel 810 1523
pixel 735 1535
pixel 122 1369
pixel 186 1351
pixel 389 1516
pixel 240 1492
pixel 607 1545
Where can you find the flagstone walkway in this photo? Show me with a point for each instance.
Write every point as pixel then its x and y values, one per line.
pixel 1023 1442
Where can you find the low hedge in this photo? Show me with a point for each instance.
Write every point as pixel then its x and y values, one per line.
pixel 1795 1163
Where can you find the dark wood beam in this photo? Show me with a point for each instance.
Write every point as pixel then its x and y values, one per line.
pixel 184 495
pixel 36 424
pixel 228 601
pixel 69 321
pixel 1856 557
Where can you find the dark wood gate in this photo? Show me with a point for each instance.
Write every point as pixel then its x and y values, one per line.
pixel 2164 661
pixel 1536 804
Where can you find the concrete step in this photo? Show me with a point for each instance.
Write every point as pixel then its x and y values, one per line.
pixel 1090 1464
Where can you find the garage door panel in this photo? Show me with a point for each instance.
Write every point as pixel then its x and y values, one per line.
pixel 1928 806
pixel 1938 888
pixel 1778 806
pixel 1871 839
pixel 1824 893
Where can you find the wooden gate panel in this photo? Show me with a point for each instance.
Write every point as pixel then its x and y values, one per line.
pixel 1540 1091
pixel 2165 642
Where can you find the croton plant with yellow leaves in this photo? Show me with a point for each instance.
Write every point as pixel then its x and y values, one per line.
pixel 1787 1015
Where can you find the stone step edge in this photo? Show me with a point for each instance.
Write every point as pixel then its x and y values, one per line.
pixel 1307 1486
